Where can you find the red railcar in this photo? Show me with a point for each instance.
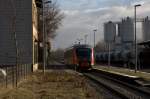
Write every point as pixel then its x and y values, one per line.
pixel 79 56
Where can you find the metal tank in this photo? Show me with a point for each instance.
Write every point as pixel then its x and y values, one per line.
pixel 109 32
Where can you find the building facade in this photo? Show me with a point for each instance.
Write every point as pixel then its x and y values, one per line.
pixel 18 32
pixel 126 33
pixel 146 29
pixel 126 30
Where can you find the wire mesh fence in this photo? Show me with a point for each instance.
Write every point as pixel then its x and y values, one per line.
pixel 12 75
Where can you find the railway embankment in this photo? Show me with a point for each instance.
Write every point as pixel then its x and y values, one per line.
pixel 55 84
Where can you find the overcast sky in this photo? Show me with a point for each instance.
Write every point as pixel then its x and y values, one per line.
pixel 83 16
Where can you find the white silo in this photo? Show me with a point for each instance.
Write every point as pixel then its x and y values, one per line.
pixel 109 32
pixel 146 29
pixel 109 37
pixel 126 30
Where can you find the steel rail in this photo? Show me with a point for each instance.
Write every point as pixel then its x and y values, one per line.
pixel 109 81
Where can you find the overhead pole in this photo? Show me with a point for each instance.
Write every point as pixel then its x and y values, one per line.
pixel 16 41
pixel 85 38
pixel 109 48
pixel 44 35
pixel 94 37
pixel 136 59
pixel 43 38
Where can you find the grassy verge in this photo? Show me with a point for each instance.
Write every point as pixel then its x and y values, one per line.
pixel 52 85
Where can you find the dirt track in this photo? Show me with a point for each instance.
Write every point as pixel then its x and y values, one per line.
pixel 53 85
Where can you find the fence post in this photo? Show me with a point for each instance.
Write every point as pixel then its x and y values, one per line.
pixel 12 77
pixel 16 75
pixel 6 76
pixel 21 71
pixel 24 70
pixel 27 70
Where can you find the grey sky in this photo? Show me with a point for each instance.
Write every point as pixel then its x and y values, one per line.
pixel 82 16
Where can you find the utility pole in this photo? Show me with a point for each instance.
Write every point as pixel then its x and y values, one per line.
pixel 109 53
pixel 85 36
pixel 16 42
pixel 94 37
pixel 135 6
pixel 44 36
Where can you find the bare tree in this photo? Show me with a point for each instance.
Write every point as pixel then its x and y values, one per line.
pixel 100 46
pixel 57 55
pixel 53 18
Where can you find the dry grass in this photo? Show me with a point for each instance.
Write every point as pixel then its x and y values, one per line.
pixel 52 85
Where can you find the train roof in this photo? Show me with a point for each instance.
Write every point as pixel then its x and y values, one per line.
pixel 79 46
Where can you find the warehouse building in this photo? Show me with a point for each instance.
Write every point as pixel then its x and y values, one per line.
pixel 146 29
pixel 126 32
pixel 19 32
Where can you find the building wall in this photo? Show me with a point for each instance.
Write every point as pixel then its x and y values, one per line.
pixel 126 30
pixel 146 29
pixel 16 16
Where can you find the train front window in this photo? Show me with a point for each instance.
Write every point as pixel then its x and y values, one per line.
pixel 83 53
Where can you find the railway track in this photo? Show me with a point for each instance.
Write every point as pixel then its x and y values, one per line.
pixel 119 88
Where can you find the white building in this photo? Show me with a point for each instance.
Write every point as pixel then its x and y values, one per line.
pixel 146 29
